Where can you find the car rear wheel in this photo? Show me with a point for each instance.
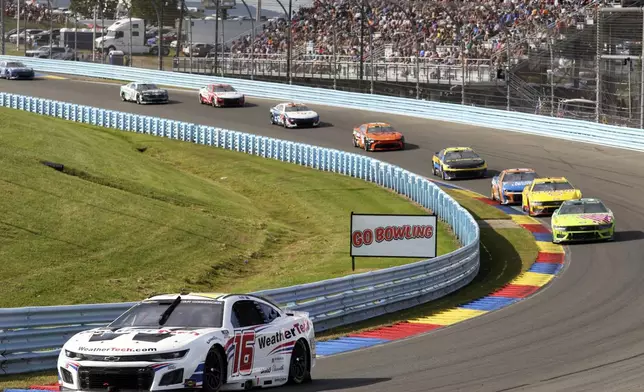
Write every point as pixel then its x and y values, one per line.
pixel 214 371
pixel 299 370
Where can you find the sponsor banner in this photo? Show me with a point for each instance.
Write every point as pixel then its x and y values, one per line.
pixel 374 235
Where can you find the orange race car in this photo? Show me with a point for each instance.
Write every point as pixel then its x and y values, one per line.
pixel 378 136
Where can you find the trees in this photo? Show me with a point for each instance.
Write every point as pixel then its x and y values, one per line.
pixel 86 7
pixel 147 9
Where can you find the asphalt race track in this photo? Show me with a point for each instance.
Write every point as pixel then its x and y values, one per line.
pixel 584 332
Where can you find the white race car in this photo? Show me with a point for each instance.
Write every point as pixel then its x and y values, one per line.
pixel 207 341
pixel 292 115
pixel 143 93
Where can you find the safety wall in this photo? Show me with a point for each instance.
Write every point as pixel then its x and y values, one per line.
pixel 30 338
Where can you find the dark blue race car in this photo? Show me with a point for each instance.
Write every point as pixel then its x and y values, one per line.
pixel 15 70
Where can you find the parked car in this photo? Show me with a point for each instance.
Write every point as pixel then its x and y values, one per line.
pixel 43 52
pixel 199 49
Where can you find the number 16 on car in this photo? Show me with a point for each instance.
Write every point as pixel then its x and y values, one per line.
pixel 243 349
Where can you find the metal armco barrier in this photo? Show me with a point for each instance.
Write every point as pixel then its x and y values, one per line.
pixel 30 338
pixel 575 130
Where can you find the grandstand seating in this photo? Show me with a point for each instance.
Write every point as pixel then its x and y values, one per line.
pixel 443 28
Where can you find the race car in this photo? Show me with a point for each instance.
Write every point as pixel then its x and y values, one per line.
pixel 582 220
pixel 293 115
pixel 143 93
pixel 378 136
pixel 544 195
pixel 457 163
pixel 198 340
pixel 508 185
pixel 15 70
pixel 219 95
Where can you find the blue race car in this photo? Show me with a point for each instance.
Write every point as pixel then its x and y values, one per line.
pixel 508 185
pixel 15 70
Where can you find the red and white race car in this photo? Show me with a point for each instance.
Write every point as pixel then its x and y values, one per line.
pixel 219 95
pixel 189 342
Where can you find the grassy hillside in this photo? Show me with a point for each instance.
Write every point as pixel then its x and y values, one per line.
pixel 132 215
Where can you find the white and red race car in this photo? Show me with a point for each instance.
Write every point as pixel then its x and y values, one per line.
pixel 211 342
pixel 220 95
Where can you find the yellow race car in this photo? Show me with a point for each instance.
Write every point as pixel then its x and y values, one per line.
pixel 544 195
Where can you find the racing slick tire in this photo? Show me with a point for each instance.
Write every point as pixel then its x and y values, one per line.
pixel 138 99
pixel 299 371
pixel 123 97
pixel 355 143
pixel 214 373
pixel 367 146
pixel 443 176
pixel 200 99
pixel 214 103
pixel 272 119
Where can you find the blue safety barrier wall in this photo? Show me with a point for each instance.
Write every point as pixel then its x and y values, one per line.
pixel 576 130
pixel 30 338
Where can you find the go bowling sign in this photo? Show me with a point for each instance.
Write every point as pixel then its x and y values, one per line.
pixel 382 235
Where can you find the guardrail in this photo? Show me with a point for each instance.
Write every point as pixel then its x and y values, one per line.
pixel 30 338
pixel 576 130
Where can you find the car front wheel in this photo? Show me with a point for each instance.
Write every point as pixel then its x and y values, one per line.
pixel 299 370
pixel 214 371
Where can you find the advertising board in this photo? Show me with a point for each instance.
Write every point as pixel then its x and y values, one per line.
pixel 384 235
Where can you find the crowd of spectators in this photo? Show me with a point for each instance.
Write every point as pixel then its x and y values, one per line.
pixel 443 28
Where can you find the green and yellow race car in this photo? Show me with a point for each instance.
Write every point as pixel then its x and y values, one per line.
pixel 582 220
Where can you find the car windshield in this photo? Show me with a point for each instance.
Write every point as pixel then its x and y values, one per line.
pixel 552 186
pixel 15 64
pixel 583 208
pixel 381 129
pixel 466 154
pixel 147 87
pixel 223 89
pixel 516 177
pixel 297 108
pixel 187 314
